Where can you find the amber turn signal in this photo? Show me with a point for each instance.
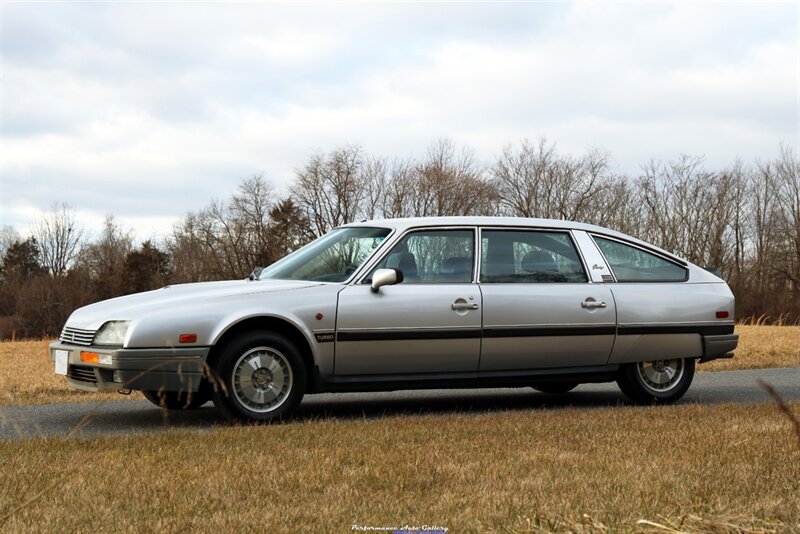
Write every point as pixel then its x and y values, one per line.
pixel 90 357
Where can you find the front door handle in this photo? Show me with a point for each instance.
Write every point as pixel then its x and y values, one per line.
pixel 591 304
pixel 461 306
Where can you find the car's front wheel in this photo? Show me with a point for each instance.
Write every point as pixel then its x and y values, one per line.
pixel 656 381
pixel 262 377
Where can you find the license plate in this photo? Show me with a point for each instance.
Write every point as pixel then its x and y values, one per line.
pixel 62 357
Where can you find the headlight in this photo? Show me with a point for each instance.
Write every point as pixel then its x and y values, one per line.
pixel 112 333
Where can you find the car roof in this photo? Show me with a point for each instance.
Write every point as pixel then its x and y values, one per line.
pixel 403 224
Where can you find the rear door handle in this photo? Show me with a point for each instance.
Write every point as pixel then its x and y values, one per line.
pixel 461 306
pixel 591 304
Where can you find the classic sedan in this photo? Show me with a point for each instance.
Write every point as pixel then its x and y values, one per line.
pixel 449 302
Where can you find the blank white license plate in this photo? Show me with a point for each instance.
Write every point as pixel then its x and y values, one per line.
pixel 62 357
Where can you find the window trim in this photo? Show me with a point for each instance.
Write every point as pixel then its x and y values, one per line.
pixel 567 231
pixel 363 278
pixel 680 264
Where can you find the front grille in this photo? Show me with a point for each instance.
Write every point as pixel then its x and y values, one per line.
pixel 82 373
pixel 76 336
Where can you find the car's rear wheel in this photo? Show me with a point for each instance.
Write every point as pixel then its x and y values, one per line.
pixel 556 388
pixel 178 400
pixel 656 381
pixel 262 377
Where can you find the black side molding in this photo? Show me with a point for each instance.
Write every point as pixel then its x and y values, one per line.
pixel 705 330
pixel 538 331
pixel 407 335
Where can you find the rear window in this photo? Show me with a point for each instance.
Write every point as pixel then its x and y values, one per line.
pixel 631 264
pixel 529 257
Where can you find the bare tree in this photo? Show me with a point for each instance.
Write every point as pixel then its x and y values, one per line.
pixel 617 206
pixel 104 258
pixel 452 182
pixel 533 180
pixel 59 238
pixel 225 239
pixel 787 174
pixel 8 236
pixel 400 189
pixel 332 188
pixel 522 177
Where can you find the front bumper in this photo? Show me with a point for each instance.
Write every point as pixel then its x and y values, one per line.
pixel 165 369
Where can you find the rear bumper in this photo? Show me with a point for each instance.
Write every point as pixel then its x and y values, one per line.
pixel 167 369
pixel 716 347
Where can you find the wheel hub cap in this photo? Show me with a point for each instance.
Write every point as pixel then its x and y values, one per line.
pixel 262 379
pixel 660 375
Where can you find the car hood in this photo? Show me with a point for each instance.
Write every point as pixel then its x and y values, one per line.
pixel 132 307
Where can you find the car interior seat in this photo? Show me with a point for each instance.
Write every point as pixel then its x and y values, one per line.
pixel 406 262
pixel 456 269
pixel 540 265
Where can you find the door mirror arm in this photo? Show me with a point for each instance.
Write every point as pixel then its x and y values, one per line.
pixel 385 277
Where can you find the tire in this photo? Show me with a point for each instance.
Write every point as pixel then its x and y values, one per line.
pixel 261 377
pixel 656 381
pixel 178 400
pixel 556 388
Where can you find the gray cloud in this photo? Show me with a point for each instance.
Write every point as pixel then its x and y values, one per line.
pixel 149 110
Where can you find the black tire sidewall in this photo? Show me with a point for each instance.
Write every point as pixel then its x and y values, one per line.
pixel 632 386
pixel 226 356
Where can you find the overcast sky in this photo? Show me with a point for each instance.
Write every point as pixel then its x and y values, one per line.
pixel 149 110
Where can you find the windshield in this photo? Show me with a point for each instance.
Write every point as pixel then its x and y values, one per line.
pixel 331 258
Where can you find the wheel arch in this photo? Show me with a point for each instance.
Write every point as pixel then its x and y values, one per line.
pixel 271 324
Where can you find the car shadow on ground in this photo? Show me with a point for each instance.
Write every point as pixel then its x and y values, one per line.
pixel 362 406
pixel 125 418
pixel 140 417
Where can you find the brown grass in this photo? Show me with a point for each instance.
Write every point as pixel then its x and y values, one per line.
pixel 726 468
pixel 26 372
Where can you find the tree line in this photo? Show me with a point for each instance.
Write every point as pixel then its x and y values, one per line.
pixel 741 221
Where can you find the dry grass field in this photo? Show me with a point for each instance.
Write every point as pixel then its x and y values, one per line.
pixel 725 468
pixel 26 372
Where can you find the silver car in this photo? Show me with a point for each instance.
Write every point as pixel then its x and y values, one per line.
pixel 448 302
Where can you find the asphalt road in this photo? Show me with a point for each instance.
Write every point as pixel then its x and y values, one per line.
pixel 141 417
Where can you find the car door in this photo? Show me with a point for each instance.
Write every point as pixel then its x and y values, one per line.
pixel 539 308
pixel 429 323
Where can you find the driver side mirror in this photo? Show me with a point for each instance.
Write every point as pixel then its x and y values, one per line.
pixel 255 273
pixel 385 277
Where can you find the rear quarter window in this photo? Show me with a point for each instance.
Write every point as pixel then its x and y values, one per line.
pixel 632 264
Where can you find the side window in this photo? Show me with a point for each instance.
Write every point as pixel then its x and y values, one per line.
pixel 522 256
pixel 433 256
pixel 631 264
